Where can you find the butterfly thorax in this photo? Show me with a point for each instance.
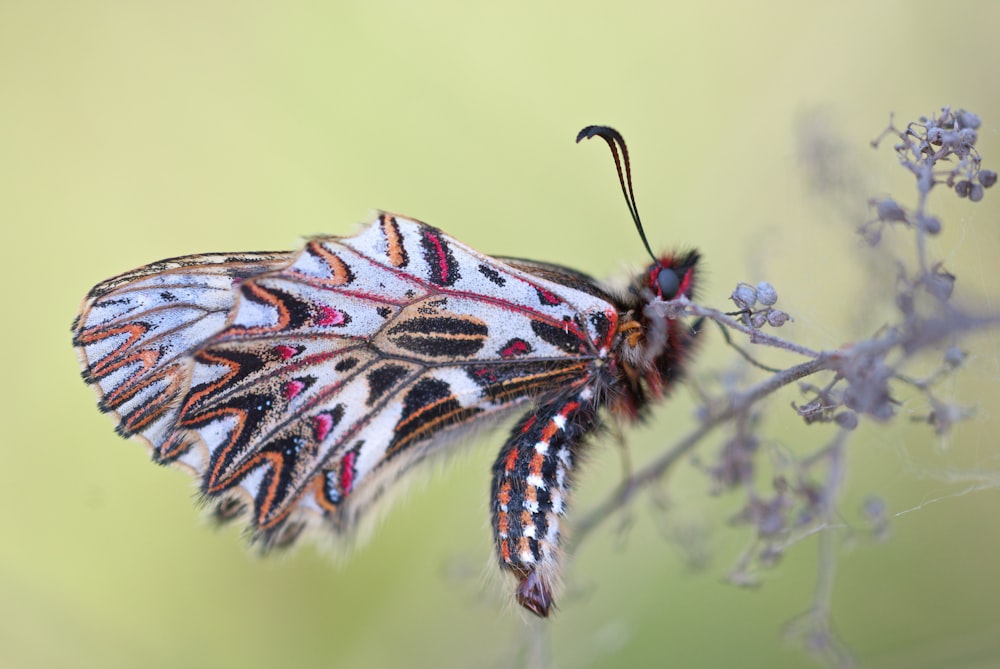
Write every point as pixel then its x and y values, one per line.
pixel 650 345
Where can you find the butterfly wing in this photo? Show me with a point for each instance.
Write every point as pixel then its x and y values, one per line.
pixel 334 370
pixel 136 333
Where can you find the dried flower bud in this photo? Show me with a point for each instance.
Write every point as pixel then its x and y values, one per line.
pixel 770 555
pixel 744 296
pixel 951 140
pixel 962 188
pixel 757 319
pixel 776 318
pixel 766 294
pixel 966 119
pixel 929 224
pixel 954 356
pixel 968 136
pixel 925 181
pixel 868 389
pixel 976 192
pixel 888 210
pixel 772 521
pixel 874 508
pixel 846 419
pixel 904 301
pixel 940 283
pixel 987 178
pixel 872 234
pixel 736 462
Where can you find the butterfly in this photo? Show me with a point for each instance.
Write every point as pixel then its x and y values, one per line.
pixel 298 387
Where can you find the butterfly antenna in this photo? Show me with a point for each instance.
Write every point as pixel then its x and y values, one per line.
pixel 616 141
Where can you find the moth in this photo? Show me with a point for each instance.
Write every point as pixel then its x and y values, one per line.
pixel 298 387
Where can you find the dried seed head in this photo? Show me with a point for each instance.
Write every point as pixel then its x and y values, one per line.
pixel 976 192
pixel 987 178
pixel 962 188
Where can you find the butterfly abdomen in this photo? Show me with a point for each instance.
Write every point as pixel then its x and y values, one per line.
pixel 531 488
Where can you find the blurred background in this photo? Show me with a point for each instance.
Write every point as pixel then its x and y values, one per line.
pixel 134 131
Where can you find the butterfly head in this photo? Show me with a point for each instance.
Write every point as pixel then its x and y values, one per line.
pixel 672 276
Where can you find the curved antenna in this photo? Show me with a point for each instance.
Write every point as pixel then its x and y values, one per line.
pixel 616 141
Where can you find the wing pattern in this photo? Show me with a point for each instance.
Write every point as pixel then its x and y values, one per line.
pixel 299 386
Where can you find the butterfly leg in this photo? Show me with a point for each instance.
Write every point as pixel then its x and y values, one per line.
pixel 531 481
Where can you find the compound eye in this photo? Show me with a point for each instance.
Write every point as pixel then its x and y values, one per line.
pixel 668 282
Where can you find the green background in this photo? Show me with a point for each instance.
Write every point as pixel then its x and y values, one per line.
pixel 134 131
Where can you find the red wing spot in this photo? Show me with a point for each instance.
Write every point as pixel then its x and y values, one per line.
pixel 547 298
pixel 441 257
pixel 347 473
pixel 527 426
pixel 485 374
pixel 285 352
pixel 329 316
pixel 322 424
pixel 515 348
pixel 293 388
